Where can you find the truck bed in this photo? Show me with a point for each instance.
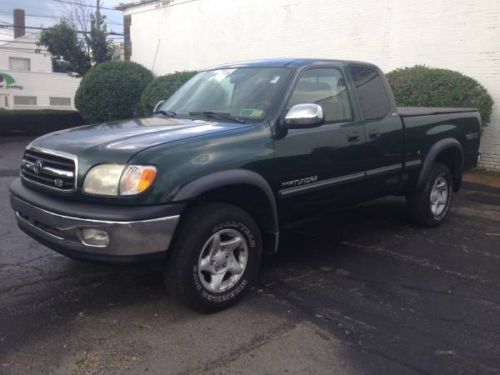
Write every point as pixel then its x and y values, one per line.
pixel 425 111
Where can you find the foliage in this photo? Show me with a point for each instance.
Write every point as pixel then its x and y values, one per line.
pixel 424 86
pixel 68 51
pixel 96 40
pixel 36 122
pixel 72 53
pixel 112 91
pixel 161 88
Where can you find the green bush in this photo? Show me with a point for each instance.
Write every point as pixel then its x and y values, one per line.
pixel 424 86
pixel 112 91
pixel 162 88
pixel 36 122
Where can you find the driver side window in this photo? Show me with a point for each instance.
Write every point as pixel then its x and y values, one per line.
pixel 325 87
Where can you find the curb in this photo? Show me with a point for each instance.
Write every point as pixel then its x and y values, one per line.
pixel 480 187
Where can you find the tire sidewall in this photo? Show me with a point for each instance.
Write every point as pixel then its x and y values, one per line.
pixel 199 224
pixel 250 269
pixel 440 171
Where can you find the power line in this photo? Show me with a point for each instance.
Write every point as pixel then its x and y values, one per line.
pixel 114 38
pixel 56 17
pixel 3 25
pixel 31 15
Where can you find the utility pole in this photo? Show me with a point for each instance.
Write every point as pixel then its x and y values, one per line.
pixel 98 11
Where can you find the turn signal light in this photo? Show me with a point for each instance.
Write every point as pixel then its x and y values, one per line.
pixel 136 179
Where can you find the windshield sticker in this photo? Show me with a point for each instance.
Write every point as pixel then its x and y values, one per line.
pixel 251 112
pixel 221 74
pixel 275 79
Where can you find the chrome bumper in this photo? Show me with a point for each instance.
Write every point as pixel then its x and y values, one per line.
pixel 63 233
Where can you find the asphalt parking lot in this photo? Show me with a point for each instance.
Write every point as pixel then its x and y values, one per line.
pixel 357 291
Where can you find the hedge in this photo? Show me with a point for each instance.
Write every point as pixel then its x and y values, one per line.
pixel 36 122
pixel 112 91
pixel 431 87
pixel 162 88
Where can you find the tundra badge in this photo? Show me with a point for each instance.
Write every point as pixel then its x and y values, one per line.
pixel 300 181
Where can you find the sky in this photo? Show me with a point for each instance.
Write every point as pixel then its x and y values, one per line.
pixel 45 13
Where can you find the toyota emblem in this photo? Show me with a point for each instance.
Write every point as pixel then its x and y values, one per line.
pixel 37 166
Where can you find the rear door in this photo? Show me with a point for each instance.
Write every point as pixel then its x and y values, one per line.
pixel 383 129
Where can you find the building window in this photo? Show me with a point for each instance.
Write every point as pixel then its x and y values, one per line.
pixel 60 102
pixel 19 64
pixel 24 100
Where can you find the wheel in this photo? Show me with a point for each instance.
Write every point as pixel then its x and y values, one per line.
pixel 215 257
pixel 429 205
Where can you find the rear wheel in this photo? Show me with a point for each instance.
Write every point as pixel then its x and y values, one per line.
pixel 215 258
pixel 429 205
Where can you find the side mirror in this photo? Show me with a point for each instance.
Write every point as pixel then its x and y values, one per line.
pixel 304 116
pixel 158 105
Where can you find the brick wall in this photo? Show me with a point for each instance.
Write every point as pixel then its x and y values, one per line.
pixel 462 35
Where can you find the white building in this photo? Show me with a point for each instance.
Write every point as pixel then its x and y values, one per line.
pixel 463 35
pixel 27 79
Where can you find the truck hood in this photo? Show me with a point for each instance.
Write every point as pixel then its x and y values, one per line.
pixel 118 141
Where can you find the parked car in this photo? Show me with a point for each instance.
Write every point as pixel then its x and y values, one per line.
pixel 205 183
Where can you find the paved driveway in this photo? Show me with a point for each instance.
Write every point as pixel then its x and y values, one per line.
pixel 359 291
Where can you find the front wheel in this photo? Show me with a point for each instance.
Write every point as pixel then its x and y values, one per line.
pixel 215 257
pixel 429 205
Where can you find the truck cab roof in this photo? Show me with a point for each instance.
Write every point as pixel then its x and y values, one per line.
pixel 286 62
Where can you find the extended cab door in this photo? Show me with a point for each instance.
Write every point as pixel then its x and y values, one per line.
pixel 384 129
pixel 321 164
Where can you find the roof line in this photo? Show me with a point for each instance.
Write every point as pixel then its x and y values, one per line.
pixel 134 4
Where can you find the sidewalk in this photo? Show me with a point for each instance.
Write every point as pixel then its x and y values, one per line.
pixel 483 186
pixel 478 179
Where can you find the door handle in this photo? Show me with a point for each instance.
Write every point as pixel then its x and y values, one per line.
pixel 373 134
pixel 353 137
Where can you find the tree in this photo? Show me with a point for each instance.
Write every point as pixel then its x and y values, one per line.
pixel 78 41
pixel 68 50
pixel 100 47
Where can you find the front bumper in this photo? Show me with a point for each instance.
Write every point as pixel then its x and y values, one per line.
pixel 131 238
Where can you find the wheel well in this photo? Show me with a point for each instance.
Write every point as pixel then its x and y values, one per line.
pixel 452 158
pixel 254 201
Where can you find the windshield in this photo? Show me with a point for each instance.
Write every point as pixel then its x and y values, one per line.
pixel 241 94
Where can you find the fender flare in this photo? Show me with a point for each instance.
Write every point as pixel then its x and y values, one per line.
pixel 229 177
pixel 433 153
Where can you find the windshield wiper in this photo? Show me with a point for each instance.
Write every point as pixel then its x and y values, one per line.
pixel 218 115
pixel 165 113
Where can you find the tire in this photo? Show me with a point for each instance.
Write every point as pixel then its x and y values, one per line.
pixel 429 205
pixel 194 268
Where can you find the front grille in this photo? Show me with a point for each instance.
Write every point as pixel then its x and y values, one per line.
pixel 52 169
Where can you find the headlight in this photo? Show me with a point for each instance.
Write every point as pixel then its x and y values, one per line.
pixel 118 179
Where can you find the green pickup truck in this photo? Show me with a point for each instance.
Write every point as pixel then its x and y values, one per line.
pixel 206 182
